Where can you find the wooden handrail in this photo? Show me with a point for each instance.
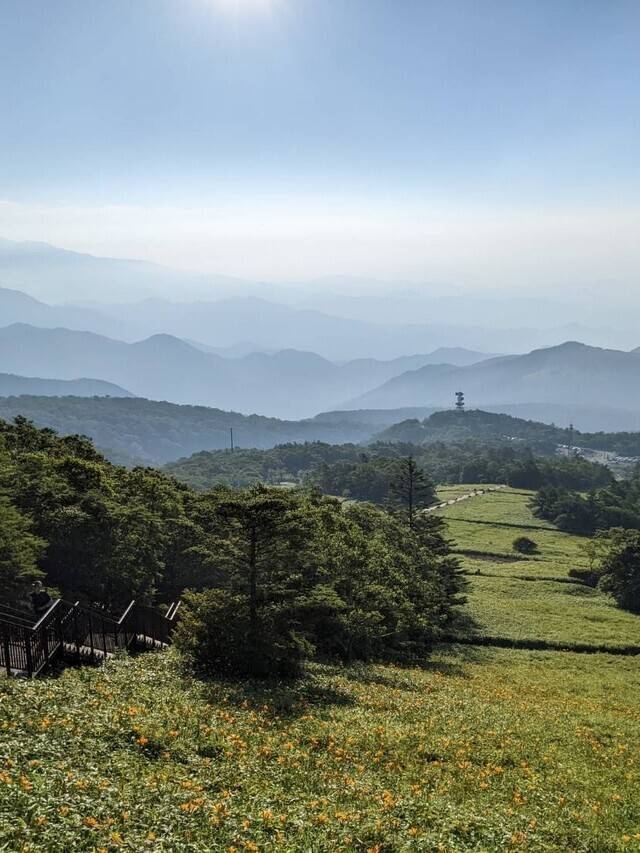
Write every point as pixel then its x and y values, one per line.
pixel 130 607
pixel 56 604
pixel 82 632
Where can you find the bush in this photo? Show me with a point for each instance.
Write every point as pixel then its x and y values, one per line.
pixel 524 545
pixel 619 566
pixel 214 635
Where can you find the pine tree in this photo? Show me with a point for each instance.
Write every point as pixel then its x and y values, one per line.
pixel 412 490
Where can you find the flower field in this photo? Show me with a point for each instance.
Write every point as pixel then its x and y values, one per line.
pixel 482 749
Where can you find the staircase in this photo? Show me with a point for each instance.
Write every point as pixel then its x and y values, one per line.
pixel 73 633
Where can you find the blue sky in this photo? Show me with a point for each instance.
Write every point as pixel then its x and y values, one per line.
pixel 293 135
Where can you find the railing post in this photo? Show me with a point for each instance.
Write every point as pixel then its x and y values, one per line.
pixel 7 650
pixel 76 635
pixel 104 639
pixel 91 637
pixel 28 653
pixel 45 642
pixel 60 632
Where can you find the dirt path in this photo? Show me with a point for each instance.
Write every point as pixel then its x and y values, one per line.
pixel 466 497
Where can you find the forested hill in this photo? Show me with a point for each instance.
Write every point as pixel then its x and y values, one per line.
pixel 137 431
pixel 477 424
pixel 365 473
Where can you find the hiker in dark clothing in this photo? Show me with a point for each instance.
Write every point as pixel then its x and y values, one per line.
pixel 40 599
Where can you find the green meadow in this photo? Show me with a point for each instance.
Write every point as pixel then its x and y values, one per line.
pixel 522 598
pixel 480 749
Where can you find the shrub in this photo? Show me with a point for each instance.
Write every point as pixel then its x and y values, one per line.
pixel 524 545
pixel 214 635
pixel 619 566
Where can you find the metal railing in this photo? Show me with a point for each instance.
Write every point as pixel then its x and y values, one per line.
pixel 78 633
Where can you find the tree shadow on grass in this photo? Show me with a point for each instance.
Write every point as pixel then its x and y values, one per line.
pixel 288 699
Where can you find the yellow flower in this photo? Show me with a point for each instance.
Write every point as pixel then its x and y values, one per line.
pixel 91 822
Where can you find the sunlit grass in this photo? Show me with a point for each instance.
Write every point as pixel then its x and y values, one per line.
pixel 483 750
pixel 503 604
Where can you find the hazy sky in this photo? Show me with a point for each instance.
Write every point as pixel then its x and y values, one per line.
pixel 484 143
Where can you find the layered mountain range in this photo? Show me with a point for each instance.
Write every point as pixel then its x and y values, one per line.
pixel 289 383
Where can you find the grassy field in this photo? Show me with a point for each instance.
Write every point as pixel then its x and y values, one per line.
pixel 505 604
pixel 482 749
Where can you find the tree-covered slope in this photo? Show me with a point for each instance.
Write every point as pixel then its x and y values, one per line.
pixel 138 430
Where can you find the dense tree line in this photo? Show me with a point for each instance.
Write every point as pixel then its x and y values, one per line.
pixel 364 473
pixel 617 505
pixel 612 517
pixel 275 575
pixel 133 431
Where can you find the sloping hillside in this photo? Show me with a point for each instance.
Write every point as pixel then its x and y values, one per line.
pixel 529 600
pixel 137 430
pixel 571 372
pixel 456 426
pixel 14 386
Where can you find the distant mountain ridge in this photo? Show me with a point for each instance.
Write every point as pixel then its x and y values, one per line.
pixel 571 373
pixel 289 383
pixel 14 386
pixel 225 311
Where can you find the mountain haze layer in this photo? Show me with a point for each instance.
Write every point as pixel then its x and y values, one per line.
pixel 289 383
pixel 357 318
pixel 12 385
pixel 572 373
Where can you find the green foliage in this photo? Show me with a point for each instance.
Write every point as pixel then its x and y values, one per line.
pixel 412 490
pixel 524 545
pixel 305 574
pixel 618 564
pixel 19 548
pixel 133 431
pixel 293 572
pixel 217 634
pixel 617 505
pixel 110 534
pixel 352 471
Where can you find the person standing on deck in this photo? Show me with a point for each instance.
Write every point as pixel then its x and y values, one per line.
pixel 40 599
